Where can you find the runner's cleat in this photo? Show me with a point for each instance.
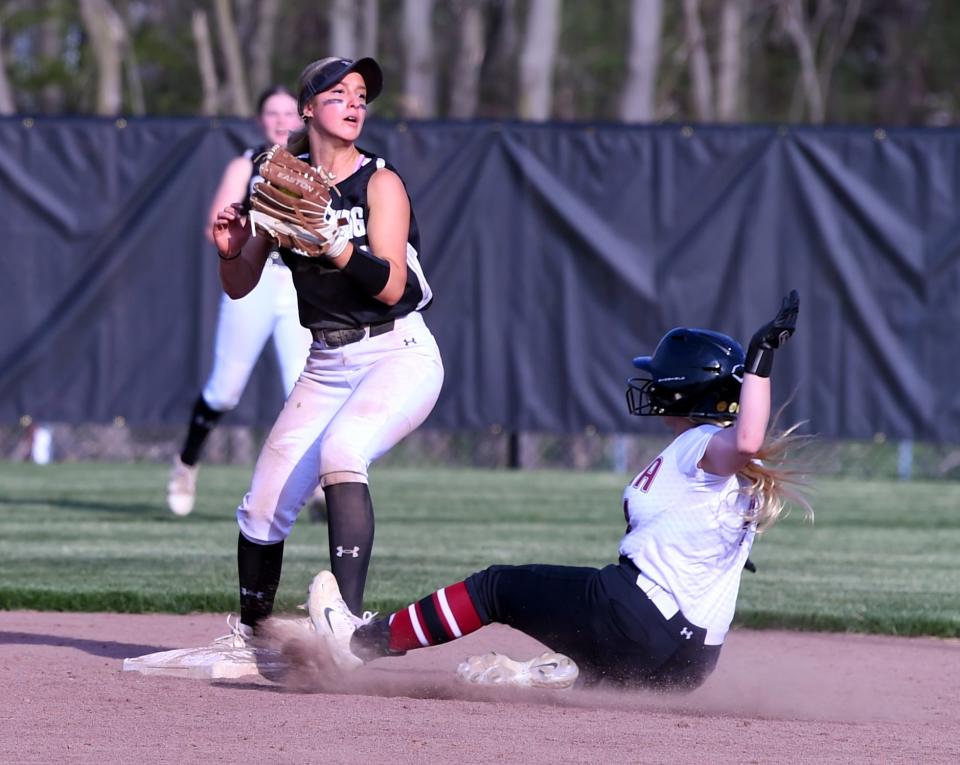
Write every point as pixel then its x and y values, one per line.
pixel 548 670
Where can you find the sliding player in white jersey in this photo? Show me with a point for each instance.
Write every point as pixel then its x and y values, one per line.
pixel 658 618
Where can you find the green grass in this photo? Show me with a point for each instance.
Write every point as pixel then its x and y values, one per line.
pixel 82 537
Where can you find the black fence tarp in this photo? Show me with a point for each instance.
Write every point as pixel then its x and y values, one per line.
pixel 556 253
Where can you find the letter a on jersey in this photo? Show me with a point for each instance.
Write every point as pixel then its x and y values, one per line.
pixel 644 480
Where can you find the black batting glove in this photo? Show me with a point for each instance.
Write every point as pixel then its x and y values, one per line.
pixel 773 335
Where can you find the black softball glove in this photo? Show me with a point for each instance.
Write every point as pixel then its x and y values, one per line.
pixel 773 335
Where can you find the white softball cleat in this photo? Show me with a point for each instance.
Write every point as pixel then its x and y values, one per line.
pixel 227 657
pixel 182 487
pixel 333 620
pixel 548 670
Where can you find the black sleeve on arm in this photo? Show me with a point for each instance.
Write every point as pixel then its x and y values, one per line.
pixel 759 360
pixel 367 270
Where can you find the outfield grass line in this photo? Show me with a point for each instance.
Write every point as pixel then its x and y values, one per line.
pixel 93 537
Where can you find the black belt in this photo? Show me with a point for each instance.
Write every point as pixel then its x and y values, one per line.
pixel 335 338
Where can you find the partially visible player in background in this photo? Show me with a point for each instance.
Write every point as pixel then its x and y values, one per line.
pixel 245 325
pixel 659 617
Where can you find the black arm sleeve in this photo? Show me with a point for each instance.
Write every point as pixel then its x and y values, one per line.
pixel 367 270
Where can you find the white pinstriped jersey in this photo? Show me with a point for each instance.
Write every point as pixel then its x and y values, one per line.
pixel 686 531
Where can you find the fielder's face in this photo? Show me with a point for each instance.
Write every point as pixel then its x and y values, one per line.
pixel 279 118
pixel 341 110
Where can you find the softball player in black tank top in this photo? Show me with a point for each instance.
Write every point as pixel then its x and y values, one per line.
pixel 331 299
pixel 374 371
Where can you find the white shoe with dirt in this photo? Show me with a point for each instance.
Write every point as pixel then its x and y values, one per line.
pixel 548 670
pixel 333 620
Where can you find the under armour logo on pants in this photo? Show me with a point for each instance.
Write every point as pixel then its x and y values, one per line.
pixel 686 633
pixel 245 593
pixel 355 552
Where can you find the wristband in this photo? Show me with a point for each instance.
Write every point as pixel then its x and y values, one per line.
pixel 337 245
pixel 336 236
pixel 759 360
pixel 367 270
pixel 229 257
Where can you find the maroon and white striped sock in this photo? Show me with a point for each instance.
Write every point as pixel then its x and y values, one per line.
pixel 447 614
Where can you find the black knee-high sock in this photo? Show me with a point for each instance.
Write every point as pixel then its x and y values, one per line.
pixel 202 421
pixel 350 523
pixel 258 567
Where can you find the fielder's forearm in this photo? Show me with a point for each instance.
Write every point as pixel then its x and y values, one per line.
pixel 241 273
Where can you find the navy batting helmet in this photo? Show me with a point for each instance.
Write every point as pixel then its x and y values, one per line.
pixel 692 373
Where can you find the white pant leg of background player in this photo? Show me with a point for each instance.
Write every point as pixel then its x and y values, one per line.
pixel 291 340
pixel 350 406
pixel 243 328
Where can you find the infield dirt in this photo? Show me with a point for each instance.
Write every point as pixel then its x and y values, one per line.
pixel 776 697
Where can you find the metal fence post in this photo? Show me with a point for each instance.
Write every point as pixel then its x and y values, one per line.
pixel 905 459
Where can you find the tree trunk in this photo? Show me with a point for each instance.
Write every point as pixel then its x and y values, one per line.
pixel 236 74
pixel 898 73
pixel 537 56
pixel 135 96
pixel 245 20
pixel 367 36
pixel 51 49
pixel 208 71
pixel 264 41
pixel 643 61
pixel 837 44
pixel 729 60
pixel 138 104
pixel 796 28
pixel 107 36
pixel 420 99
pixel 699 61
pixel 7 104
pixel 499 71
pixel 342 16
pixel 465 79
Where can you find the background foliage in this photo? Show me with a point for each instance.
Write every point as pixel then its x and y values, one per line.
pixel 895 64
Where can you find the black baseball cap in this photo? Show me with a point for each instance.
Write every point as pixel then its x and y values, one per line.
pixel 329 71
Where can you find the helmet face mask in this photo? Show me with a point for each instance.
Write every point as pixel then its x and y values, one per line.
pixel 693 373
